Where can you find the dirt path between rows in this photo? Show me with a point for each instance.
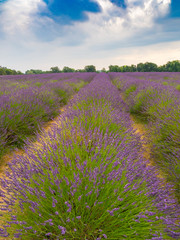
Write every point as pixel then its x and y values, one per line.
pixel 141 130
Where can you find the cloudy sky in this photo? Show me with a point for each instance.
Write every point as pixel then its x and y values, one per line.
pixel 40 34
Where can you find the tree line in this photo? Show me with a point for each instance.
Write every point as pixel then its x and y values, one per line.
pixel 8 71
pixel 171 66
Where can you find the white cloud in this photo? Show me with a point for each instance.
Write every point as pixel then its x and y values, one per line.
pixel 21 17
pixel 113 36
pixel 17 16
pixel 115 24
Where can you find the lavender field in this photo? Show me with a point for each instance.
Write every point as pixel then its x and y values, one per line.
pixel 26 102
pixel 87 176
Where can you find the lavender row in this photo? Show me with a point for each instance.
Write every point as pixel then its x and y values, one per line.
pixel 158 106
pixel 26 102
pixel 165 78
pixel 88 180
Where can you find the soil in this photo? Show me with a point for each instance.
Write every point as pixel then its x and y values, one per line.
pixel 141 130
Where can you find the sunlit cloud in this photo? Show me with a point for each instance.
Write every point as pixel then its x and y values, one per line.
pixel 59 32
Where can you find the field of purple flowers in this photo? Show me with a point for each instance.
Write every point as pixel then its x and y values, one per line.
pixel 26 102
pixel 89 180
pixel 154 100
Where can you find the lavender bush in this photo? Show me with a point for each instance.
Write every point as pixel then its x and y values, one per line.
pixel 88 180
pixel 26 102
pixel 157 104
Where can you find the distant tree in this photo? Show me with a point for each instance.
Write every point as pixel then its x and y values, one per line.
pixel 19 73
pixel 173 66
pixel 9 71
pixel 140 67
pixel 68 69
pixel 79 70
pixel 55 70
pixel 29 72
pixel 37 71
pixel 150 67
pixel 34 71
pixel 162 68
pixel 133 68
pixel 90 68
pixel 114 68
pixel 103 70
pixel 2 71
pixel 147 67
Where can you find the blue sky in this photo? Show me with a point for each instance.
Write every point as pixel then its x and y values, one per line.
pixel 40 34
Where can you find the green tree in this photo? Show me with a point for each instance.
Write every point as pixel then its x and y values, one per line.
pixel 114 68
pixel 29 72
pixel 80 70
pixel 140 67
pixel 90 68
pixel 147 67
pixel 55 70
pixel 173 66
pixel 2 71
pixel 9 71
pixel 150 67
pixel 19 73
pixel 103 70
pixel 68 69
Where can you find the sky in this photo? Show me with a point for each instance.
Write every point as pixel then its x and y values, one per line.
pixel 40 34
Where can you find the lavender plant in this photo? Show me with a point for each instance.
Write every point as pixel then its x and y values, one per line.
pixel 157 104
pixel 88 180
pixel 26 102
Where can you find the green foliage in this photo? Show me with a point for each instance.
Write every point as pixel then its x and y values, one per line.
pixel 34 71
pixel 147 67
pixel 96 221
pixel 55 69
pixel 2 71
pixel 8 71
pixel 98 115
pixel 114 68
pixel 62 95
pixel 165 83
pixel 150 106
pixel 38 84
pixel 166 139
pixel 130 90
pixel 90 68
pixel 141 103
pixel 24 121
pixel 117 83
pixel 178 87
pixel 68 69
pixel 77 86
pixel 103 70
pixel 80 70
pixel 173 66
